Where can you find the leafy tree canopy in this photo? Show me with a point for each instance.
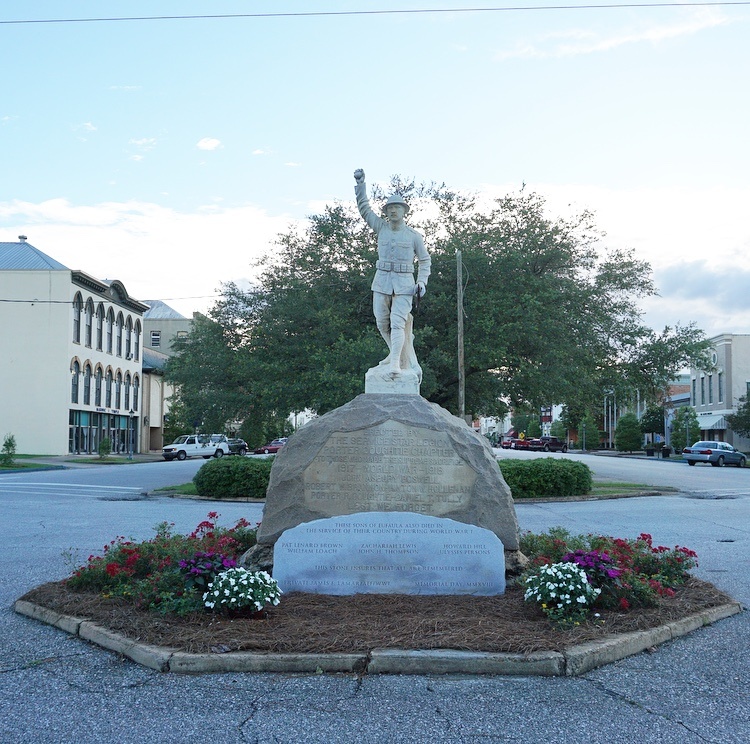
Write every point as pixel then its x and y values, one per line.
pixel 551 315
pixel 652 421
pixel 685 428
pixel 739 422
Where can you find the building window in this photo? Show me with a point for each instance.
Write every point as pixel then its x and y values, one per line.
pixel 98 388
pixel 74 382
pixel 89 322
pixel 127 391
pixel 137 341
pixel 710 389
pixel 118 335
pixel 703 391
pixel 99 325
pixel 110 325
pixel 129 338
pixel 694 400
pixel 118 389
pixel 135 393
pixel 108 397
pixel 77 310
pixel 87 385
pixel 155 339
pixel 720 384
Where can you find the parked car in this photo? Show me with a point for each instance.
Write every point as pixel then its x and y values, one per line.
pixel 520 444
pixel 717 453
pixel 548 444
pixel 505 444
pixel 237 446
pixel 272 447
pixel 196 445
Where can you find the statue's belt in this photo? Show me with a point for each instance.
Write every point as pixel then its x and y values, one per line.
pixel 400 268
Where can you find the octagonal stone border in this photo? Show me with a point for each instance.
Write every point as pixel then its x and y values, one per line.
pixel 571 662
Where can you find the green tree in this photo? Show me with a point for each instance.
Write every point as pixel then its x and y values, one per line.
pixel 551 315
pixel 534 428
pixel 8 452
pixel 652 421
pixel 557 429
pixel 685 421
pixel 739 422
pixel 628 434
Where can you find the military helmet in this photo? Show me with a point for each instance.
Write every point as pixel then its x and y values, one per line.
pixel 395 199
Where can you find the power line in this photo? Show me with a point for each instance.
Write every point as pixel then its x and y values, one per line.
pixel 413 11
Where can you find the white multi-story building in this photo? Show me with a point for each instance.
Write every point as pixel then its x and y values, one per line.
pixel 716 392
pixel 72 346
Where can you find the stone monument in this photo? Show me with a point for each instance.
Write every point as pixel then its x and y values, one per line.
pixel 388 450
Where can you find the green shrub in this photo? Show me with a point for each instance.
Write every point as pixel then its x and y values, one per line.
pixel 8 453
pixel 105 448
pixel 547 476
pixel 231 477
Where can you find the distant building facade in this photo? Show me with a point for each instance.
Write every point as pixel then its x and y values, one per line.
pixel 72 347
pixel 715 393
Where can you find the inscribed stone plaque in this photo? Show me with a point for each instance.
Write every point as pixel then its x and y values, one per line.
pixel 389 553
pixel 389 467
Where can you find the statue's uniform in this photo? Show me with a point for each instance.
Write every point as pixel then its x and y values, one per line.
pixel 393 286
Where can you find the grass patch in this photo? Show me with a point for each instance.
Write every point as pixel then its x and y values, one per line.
pixel 27 466
pixel 615 488
pixel 103 461
pixel 186 489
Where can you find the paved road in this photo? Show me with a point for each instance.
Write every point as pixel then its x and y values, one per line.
pixel 54 688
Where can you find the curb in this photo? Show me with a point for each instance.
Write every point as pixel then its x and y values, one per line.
pixel 571 662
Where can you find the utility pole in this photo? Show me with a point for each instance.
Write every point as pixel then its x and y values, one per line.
pixel 460 309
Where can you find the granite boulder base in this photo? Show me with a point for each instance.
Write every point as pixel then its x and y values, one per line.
pixel 389 553
pixel 387 453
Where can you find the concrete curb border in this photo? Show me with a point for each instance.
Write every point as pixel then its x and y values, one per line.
pixel 571 662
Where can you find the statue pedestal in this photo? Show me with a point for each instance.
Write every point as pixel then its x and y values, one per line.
pixel 387 453
pixel 378 381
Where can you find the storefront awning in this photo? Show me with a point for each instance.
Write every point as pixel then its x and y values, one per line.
pixel 712 423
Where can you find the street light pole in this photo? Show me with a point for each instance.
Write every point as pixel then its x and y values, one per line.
pixel 130 435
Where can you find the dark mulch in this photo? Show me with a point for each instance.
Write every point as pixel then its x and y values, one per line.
pixel 316 623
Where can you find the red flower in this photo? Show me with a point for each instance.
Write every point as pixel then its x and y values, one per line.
pixel 624 604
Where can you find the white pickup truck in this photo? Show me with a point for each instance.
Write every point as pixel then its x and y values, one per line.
pixel 196 445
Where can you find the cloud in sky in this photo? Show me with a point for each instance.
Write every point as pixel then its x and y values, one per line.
pixel 574 42
pixel 158 253
pixel 209 143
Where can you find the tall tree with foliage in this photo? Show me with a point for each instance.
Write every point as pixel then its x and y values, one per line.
pixel 739 422
pixel 685 428
pixel 551 316
pixel 628 435
pixel 652 421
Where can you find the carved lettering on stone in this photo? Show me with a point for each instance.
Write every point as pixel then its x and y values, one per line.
pixel 389 467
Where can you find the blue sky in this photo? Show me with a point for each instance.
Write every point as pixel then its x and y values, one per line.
pixel 169 153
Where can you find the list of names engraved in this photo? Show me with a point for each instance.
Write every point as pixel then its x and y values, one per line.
pixel 389 467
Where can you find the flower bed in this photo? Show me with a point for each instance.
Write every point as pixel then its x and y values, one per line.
pixel 154 592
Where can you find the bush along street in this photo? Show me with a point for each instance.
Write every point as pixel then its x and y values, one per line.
pixel 178 574
pixel 572 575
pixel 546 476
pixel 234 477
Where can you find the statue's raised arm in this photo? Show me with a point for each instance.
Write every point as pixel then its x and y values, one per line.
pixel 394 288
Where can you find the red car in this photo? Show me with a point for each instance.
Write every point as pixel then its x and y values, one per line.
pixel 272 447
pixel 520 444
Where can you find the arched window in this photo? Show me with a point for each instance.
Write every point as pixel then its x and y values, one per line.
pixel 129 338
pixel 127 391
pixel 98 387
pixel 137 341
pixel 87 385
pixel 118 335
pixel 108 395
pixel 118 389
pixel 99 325
pixel 135 393
pixel 76 372
pixel 110 325
pixel 77 310
pixel 88 319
